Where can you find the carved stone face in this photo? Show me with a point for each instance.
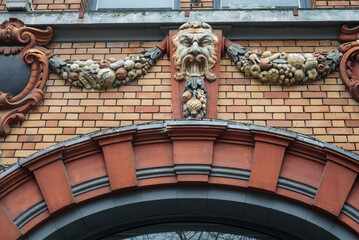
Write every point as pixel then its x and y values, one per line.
pixel 195 50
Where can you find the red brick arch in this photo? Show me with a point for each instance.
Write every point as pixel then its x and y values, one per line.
pixel 219 153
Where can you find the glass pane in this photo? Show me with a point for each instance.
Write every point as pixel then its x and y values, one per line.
pixel 233 4
pixel 135 4
pixel 189 231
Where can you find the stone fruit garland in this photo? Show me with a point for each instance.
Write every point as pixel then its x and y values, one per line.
pixel 105 73
pixel 283 68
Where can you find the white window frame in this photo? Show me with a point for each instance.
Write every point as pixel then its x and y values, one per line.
pixel 301 4
pixel 93 5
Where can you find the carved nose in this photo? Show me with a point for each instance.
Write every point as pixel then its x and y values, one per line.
pixel 195 49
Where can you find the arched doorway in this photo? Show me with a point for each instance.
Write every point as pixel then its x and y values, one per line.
pixel 272 181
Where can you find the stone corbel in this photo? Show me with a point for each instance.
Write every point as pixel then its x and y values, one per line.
pixel 25 68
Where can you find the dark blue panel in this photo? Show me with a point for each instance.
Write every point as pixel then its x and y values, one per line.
pixel 14 74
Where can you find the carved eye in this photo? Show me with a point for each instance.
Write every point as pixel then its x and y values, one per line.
pixel 206 42
pixel 186 42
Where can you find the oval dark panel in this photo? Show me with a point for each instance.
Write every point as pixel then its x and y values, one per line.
pixel 14 74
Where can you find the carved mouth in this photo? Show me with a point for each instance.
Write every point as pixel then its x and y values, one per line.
pixel 195 65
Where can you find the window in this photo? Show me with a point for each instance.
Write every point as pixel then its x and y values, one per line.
pixel 189 231
pixel 244 4
pixel 134 4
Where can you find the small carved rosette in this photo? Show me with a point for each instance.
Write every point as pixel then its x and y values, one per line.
pixel 194 57
pixel 24 70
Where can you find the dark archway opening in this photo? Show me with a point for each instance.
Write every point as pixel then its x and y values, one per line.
pixel 258 212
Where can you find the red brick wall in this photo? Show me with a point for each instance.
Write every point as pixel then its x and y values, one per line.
pixel 205 4
pixel 322 109
pixel 67 111
pixel 336 4
pixel 56 5
pixel 2 5
pixel 50 5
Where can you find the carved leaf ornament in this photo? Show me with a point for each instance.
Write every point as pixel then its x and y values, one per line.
pixel 195 49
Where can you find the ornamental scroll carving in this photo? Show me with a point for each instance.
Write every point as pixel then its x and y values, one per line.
pixel 349 66
pixel 21 46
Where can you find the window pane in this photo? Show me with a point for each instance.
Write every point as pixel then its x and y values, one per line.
pixel 137 4
pixel 233 4
pixel 189 231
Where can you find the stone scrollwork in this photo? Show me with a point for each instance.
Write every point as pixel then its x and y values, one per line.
pixel 349 66
pixel 283 68
pixel 194 57
pixel 109 72
pixel 21 90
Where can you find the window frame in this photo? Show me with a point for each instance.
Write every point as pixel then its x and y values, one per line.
pixel 217 4
pixel 92 5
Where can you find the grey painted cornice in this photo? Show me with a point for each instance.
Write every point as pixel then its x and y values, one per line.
pixel 253 24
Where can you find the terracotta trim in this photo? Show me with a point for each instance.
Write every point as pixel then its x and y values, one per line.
pixel 297 187
pixel 54 185
pixel 120 162
pixel 80 150
pixel 191 163
pixel 334 188
pixel 271 138
pixel 342 160
pixel 266 165
pixel 351 211
pixel 115 138
pixel 90 185
pixel 155 172
pixel 30 213
pixel 45 159
pixel 17 38
pixel 12 181
pixel 7 227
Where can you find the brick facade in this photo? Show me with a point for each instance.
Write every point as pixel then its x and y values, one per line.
pixel 205 4
pixel 336 4
pixel 322 109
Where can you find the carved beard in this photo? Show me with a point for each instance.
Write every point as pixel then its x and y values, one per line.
pixel 206 51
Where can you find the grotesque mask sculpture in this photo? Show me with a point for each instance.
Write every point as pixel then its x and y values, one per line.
pixel 194 57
